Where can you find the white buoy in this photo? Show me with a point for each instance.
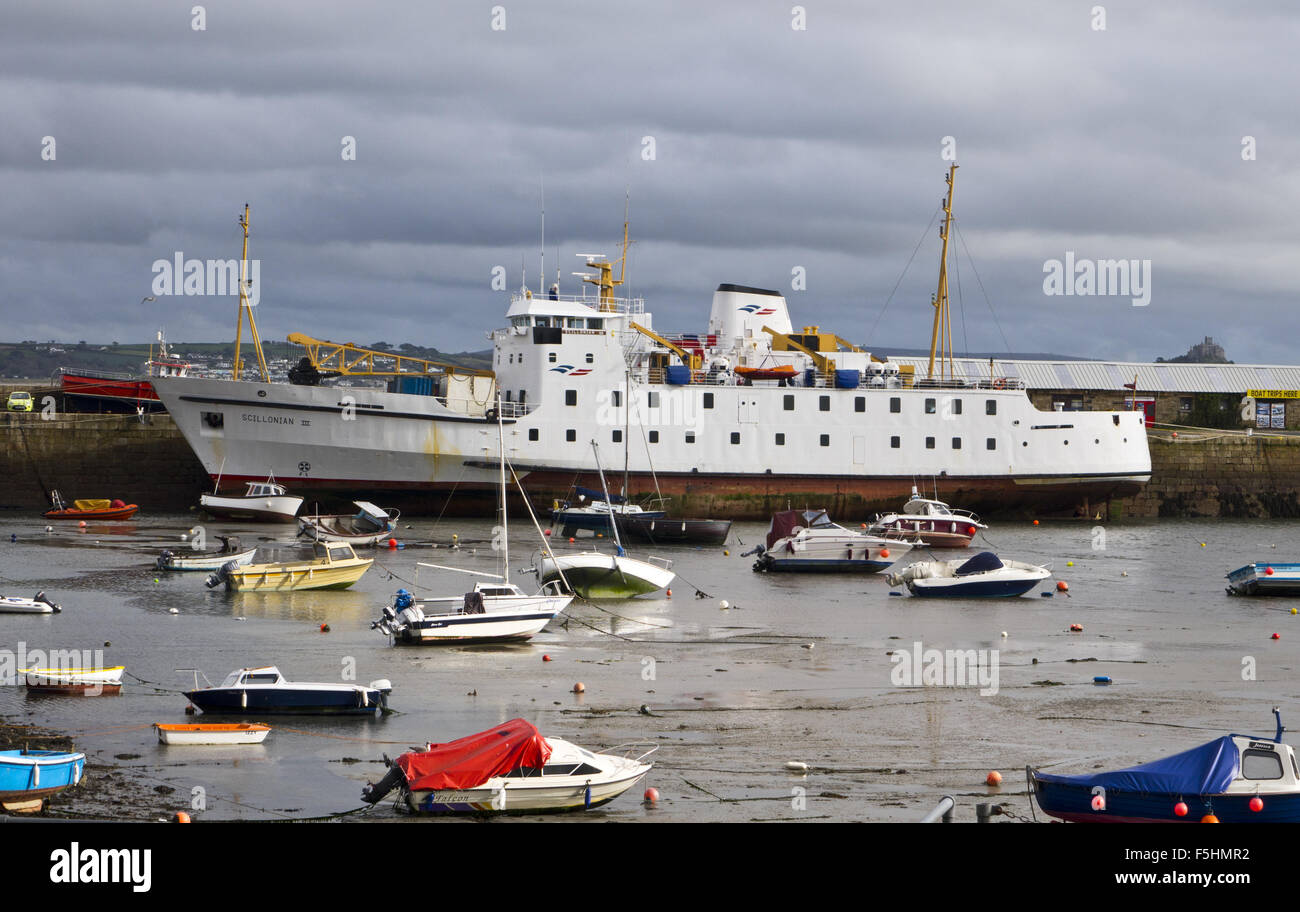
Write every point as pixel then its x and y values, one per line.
pixel 724 604
pixel 796 766
pixel 173 611
pixel 1004 634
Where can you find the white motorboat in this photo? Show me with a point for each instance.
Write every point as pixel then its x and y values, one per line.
pixel 38 604
pixel 984 575
pixel 510 769
pixel 262 501
pixel 932 521
pixel 231 551
pixel 366 527
pixel 210 733
pixel 490 612
pixel 806 541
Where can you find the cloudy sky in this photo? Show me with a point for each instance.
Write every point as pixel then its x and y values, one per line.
pixel 774 147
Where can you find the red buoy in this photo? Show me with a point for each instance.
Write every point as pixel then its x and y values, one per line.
pixel 1180 809
pixel 651 795
pixel 1257 804
pixel 392 543
pixel 1276 636
pixel 884 552
pixel 1098 803
pixel 993 778
pixel 669 593
pixel 579 688
pixel 1062 586
pixel 180 817
pixel 546 658
pixel 546 532
pixel 1268 571
pixel 1209 818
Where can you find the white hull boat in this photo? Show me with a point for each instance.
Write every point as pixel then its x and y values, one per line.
pixel 982 576
pixel 369 526
pixel 491 612
pixel 38 604
pixel 229 553
pixel 262 501
pixel 933 522
pixel 90 682
pixel 511 770
pixel 806 541
pixel 209 733
pixel 594 574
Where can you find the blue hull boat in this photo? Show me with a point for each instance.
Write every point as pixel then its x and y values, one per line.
pixel 27 777
pixel 264 691
pixel 1235 779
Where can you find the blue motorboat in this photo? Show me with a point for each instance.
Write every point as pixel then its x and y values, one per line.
pixel 28 777
pixel 263 691
pixel 983 575
pixel 1234 779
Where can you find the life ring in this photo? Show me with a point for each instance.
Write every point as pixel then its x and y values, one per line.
pixel 1000 383
pixel 490 415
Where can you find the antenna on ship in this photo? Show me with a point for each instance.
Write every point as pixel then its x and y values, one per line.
pixel 941 337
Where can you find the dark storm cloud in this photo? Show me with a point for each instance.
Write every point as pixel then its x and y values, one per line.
pixel 775 148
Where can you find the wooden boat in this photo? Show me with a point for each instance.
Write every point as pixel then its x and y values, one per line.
pixel 1265 579
pixel 28 777
pixel 932 521
pixel 207 733
pixel 37 604
pixel 262 501
pixel 229 552
pixel 806 541
pixel 86 682
pixel 510 769
pixel 366 527
pixel 1236 778
pixel 984 575
pixel 335 566
pixel 265 690
pixel 92 509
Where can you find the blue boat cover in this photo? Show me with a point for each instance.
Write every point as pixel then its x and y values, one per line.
pixel 980 563
pixel 599 495
pixel 1204 770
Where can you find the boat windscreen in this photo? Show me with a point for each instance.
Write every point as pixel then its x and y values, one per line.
pixel 980 563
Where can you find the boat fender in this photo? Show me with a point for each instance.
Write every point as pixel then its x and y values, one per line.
pixel 36 775
pixel 586 796
pixel 76 772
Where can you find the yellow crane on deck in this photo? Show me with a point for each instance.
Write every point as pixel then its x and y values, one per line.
pixel 353 360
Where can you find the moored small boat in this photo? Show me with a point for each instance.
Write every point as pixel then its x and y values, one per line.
pixel 1265 579
pixel 262 501
pixel 37 604
pixel 595 574
pixel 509 769
pixel 1235 779
pixel 210 733
pixel 265 690
pixel 933 522
pixel 984 575
pixel 28 777
pixel 806 541
pixel 490 612
pixel 335 566
pixel 231 551
pixel 91 509
pixel 365 527
pixel 86 682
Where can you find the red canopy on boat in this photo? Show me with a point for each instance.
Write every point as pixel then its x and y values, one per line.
pixel 470 761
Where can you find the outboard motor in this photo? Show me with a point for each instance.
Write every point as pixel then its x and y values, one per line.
pixel 229 544
pixel 374 793
pixel 40 597
pixel 164 560
pixel 221 575
pixel 385 687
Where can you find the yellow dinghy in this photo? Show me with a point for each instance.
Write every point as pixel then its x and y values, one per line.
pixel 335 566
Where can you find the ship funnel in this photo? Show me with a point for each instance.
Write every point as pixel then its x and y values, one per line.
pixel 739 314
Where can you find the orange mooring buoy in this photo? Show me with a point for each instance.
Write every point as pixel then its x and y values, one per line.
pixel 1062 586
pixel 993 778
pixel 1209 818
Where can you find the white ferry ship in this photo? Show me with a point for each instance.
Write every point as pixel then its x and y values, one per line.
pixel 747 411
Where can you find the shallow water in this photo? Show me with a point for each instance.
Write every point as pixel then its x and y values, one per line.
pixel 735 694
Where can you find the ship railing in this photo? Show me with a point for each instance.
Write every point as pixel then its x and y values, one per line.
pixel 616 305
pixel 517 409
pixel 97 374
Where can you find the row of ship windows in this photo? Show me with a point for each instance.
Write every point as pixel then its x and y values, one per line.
pixel 571 436
pixel 952 406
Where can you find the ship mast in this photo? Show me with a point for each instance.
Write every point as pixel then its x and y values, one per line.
pixel 244 303
pixel 606 281
pixel 941 337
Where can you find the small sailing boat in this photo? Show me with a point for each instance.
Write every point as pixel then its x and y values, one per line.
pixel 594 574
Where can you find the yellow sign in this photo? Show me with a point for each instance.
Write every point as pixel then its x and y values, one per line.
pixel 1273 394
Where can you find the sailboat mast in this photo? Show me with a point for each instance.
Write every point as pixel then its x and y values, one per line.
pixel 505 522
pixel 605 487
pixel 941 336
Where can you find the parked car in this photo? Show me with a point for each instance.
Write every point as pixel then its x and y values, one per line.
pixel 19 402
